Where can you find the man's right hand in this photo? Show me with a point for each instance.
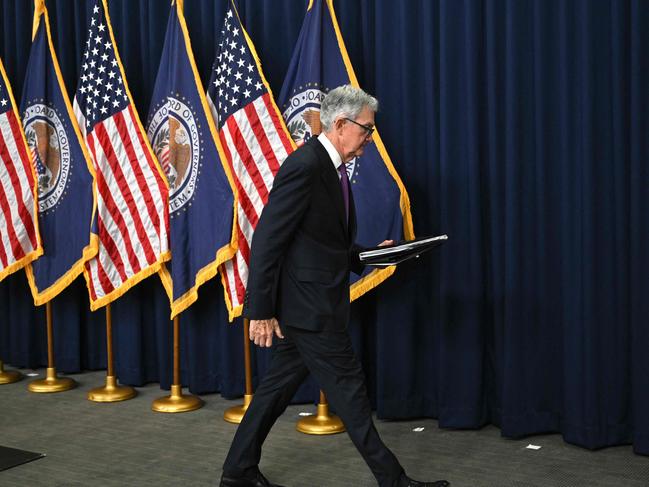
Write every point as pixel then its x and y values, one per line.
pixel 261 331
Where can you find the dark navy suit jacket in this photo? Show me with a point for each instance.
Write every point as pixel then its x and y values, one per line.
pixel 303 247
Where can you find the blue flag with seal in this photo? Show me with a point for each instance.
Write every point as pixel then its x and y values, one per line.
pixel 64 170
pixel 319 64
pixel 201 196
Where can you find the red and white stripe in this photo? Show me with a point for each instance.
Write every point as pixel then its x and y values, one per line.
pixel 163 157
pixel 255 143
pixel 18 233
pixel 132 213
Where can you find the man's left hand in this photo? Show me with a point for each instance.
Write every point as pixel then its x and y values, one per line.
pixel 386 242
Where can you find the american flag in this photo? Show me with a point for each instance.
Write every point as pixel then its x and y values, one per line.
pixel 132 197
pixel 254 139
pixel 19 239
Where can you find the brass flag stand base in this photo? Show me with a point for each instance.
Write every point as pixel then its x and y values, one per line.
pixel 176 402
pixel 322 423
pixel 235 414
pixel 111 392
pixel 9 376
pixel 51 383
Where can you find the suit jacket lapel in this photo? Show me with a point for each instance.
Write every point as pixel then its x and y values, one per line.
pixel 332 182
pixel 352 215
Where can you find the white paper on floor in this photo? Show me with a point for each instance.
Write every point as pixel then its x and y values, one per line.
pixel 533 447
pixel 418 429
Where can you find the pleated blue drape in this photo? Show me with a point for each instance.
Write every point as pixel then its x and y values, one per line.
pixel 519 127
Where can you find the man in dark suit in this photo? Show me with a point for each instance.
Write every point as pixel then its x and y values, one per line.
pixel 298 289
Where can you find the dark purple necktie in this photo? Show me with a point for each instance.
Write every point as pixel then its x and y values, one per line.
pixel 344 184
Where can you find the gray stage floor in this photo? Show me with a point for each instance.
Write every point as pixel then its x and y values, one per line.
pixel 126 444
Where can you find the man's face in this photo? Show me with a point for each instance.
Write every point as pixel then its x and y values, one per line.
pixel 354 135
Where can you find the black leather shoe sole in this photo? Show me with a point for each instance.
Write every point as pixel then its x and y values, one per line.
pixel 260 481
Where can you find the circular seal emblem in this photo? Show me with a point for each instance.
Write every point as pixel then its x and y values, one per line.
pixel 302 116
pixel 48 141
pixel 176 142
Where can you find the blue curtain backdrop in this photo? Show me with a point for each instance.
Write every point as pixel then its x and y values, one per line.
pixel 520 128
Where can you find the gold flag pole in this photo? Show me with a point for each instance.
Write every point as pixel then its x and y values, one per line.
pixel 235 413
pixel 322 423
pixel 51 383
pixel 111 392
pixel 176 402
pixel 9 376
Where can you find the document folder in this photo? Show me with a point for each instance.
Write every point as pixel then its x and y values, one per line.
pixel 394 254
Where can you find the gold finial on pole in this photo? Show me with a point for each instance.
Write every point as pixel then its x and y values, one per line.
pixel 9 376
pixel 322 423
pixel 235 413
pixel 111 392
pixel 51 383
pixel 176 402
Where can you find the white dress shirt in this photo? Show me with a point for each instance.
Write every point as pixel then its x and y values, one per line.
pixel 331 150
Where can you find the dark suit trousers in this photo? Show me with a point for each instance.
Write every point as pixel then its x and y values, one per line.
pixel 329 356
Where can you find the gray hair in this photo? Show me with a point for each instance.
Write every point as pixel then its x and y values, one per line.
pixel 345 101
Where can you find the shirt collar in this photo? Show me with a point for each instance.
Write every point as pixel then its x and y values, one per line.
pixel 331 150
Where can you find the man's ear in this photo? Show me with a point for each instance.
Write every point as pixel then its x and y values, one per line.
pixel 338 124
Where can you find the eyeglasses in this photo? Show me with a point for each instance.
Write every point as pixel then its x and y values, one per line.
pixel 368 129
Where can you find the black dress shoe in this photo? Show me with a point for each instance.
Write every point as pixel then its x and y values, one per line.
pixel 258 480
pixel 408 482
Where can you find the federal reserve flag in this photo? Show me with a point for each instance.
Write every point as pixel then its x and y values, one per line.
pixel 19 239
pixel 254 139
pixel 184 138
pixel 63 169
pixel 319 64
pixel 132 195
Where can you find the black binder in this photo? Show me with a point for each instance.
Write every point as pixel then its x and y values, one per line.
pixel 394 254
